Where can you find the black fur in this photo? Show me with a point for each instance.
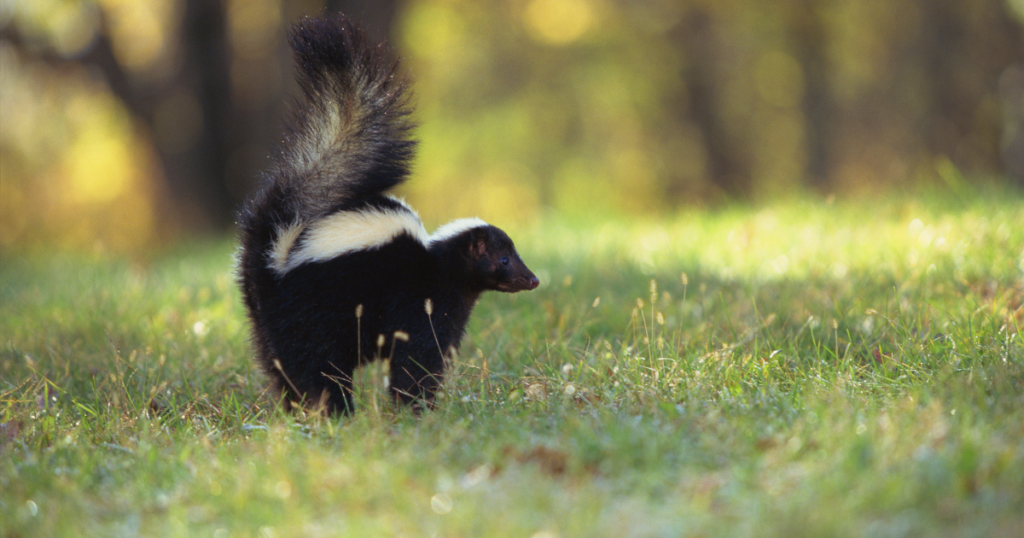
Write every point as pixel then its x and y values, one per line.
pixel 306 331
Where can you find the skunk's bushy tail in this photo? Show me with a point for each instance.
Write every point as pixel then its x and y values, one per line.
pixel 349 136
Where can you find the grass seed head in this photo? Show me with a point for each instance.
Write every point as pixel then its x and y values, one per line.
pixel 428 305
pixel 536 391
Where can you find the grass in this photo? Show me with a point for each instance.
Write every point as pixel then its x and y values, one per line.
pixel 804 369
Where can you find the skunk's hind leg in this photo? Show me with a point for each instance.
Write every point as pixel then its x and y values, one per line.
pixel 416 382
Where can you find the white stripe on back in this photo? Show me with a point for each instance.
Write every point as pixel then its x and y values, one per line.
pixel 454 228
pixel 341 233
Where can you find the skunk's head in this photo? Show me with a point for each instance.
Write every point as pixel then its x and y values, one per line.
pixel 487 258
pixel 495 264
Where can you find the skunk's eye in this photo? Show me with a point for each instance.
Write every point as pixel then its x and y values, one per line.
pixel 504 261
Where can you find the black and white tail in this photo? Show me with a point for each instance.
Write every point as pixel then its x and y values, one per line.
pixel 349 137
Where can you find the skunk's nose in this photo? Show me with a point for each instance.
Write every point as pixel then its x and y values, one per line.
pixel 532 283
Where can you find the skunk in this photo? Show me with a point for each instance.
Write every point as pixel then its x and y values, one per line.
pixel 333 271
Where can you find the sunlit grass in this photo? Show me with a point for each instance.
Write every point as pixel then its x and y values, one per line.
pixel 804 369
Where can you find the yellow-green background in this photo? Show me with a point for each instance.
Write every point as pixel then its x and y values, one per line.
pixel 587 107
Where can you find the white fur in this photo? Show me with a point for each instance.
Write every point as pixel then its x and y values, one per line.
pixel 281 246
pixel 454 228
pixel 351 231
pixel 321 135
pixel 341 233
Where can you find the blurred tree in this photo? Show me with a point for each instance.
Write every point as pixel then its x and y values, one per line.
pixel 193 118
pixel 185 109
pixel 701 40
pixel 202 80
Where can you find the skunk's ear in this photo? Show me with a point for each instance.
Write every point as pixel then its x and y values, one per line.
pixel 477 243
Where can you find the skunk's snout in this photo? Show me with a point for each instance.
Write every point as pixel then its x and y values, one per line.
pixel 521 280
pixel 526 280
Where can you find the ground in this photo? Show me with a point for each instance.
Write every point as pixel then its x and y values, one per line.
pixel 808 368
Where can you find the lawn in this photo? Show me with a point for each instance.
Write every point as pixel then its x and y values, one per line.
pixel 808 368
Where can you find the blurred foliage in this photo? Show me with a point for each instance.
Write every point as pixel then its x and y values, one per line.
pixel 597 106
pixel 123 122
pixel 68 159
